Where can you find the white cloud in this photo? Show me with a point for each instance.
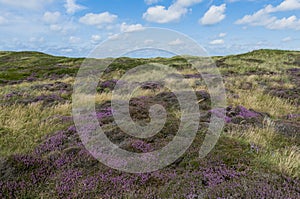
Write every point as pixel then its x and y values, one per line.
pixel 74 40
pixel 285 23
pixel 286 39
pixel 131 28
pixel 72 7
pixel 95 38
pixel 149 2
pixel 51 17
pixel 260 18
pixel 222 34
pixel 176 42
pixel 113 36
pixel 187 3
pixel 98 19
pixel 286 5
pixel 217 42
pixel 161 14
pixel 28 4
pixel 55 27
pixel 214 15
pixel 263 16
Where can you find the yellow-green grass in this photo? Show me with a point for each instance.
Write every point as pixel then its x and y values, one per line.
pixel 23 126
pixel 261 81
pixel 260 101
pixel 274 152
pixel 285 160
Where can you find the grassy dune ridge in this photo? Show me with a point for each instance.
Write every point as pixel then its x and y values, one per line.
pixel 257 154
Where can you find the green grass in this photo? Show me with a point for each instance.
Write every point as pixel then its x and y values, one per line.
pixel 20 65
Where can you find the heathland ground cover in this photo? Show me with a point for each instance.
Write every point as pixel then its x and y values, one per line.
pixel 256 156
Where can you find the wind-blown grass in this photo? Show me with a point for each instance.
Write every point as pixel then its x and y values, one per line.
pixel 23 126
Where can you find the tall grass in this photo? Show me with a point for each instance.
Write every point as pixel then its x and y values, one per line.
pixel 22 127
pixel 273 151
pixel 262 102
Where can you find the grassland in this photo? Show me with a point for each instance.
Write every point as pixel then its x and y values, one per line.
pixel 257 154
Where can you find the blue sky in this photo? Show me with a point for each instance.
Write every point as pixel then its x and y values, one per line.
pixel 75 27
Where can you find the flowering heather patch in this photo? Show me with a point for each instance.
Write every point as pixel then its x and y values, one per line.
pixel 104 112
pixel 216 175
pixel 107 85
pixel 245 113
pixel 211 181
pixel 67 181
pixel 27 162
pixel 104 115
pixel 220 113
pixel 142 146
pixel 72 129
pixel 55 142
pixel 64 160
pixel 12 189
pixel 238 114
pixel 257 186
pixel 112 184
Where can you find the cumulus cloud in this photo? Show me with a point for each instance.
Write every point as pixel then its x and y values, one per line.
pixel 72 7
pixel 214 15
pixel 286 5
pixel 263 16
pixel 259 18
pixel 98 19
pixel 131 28
pixel 51 17
pixel 161 14
pixel 285 23
pixel 217 42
